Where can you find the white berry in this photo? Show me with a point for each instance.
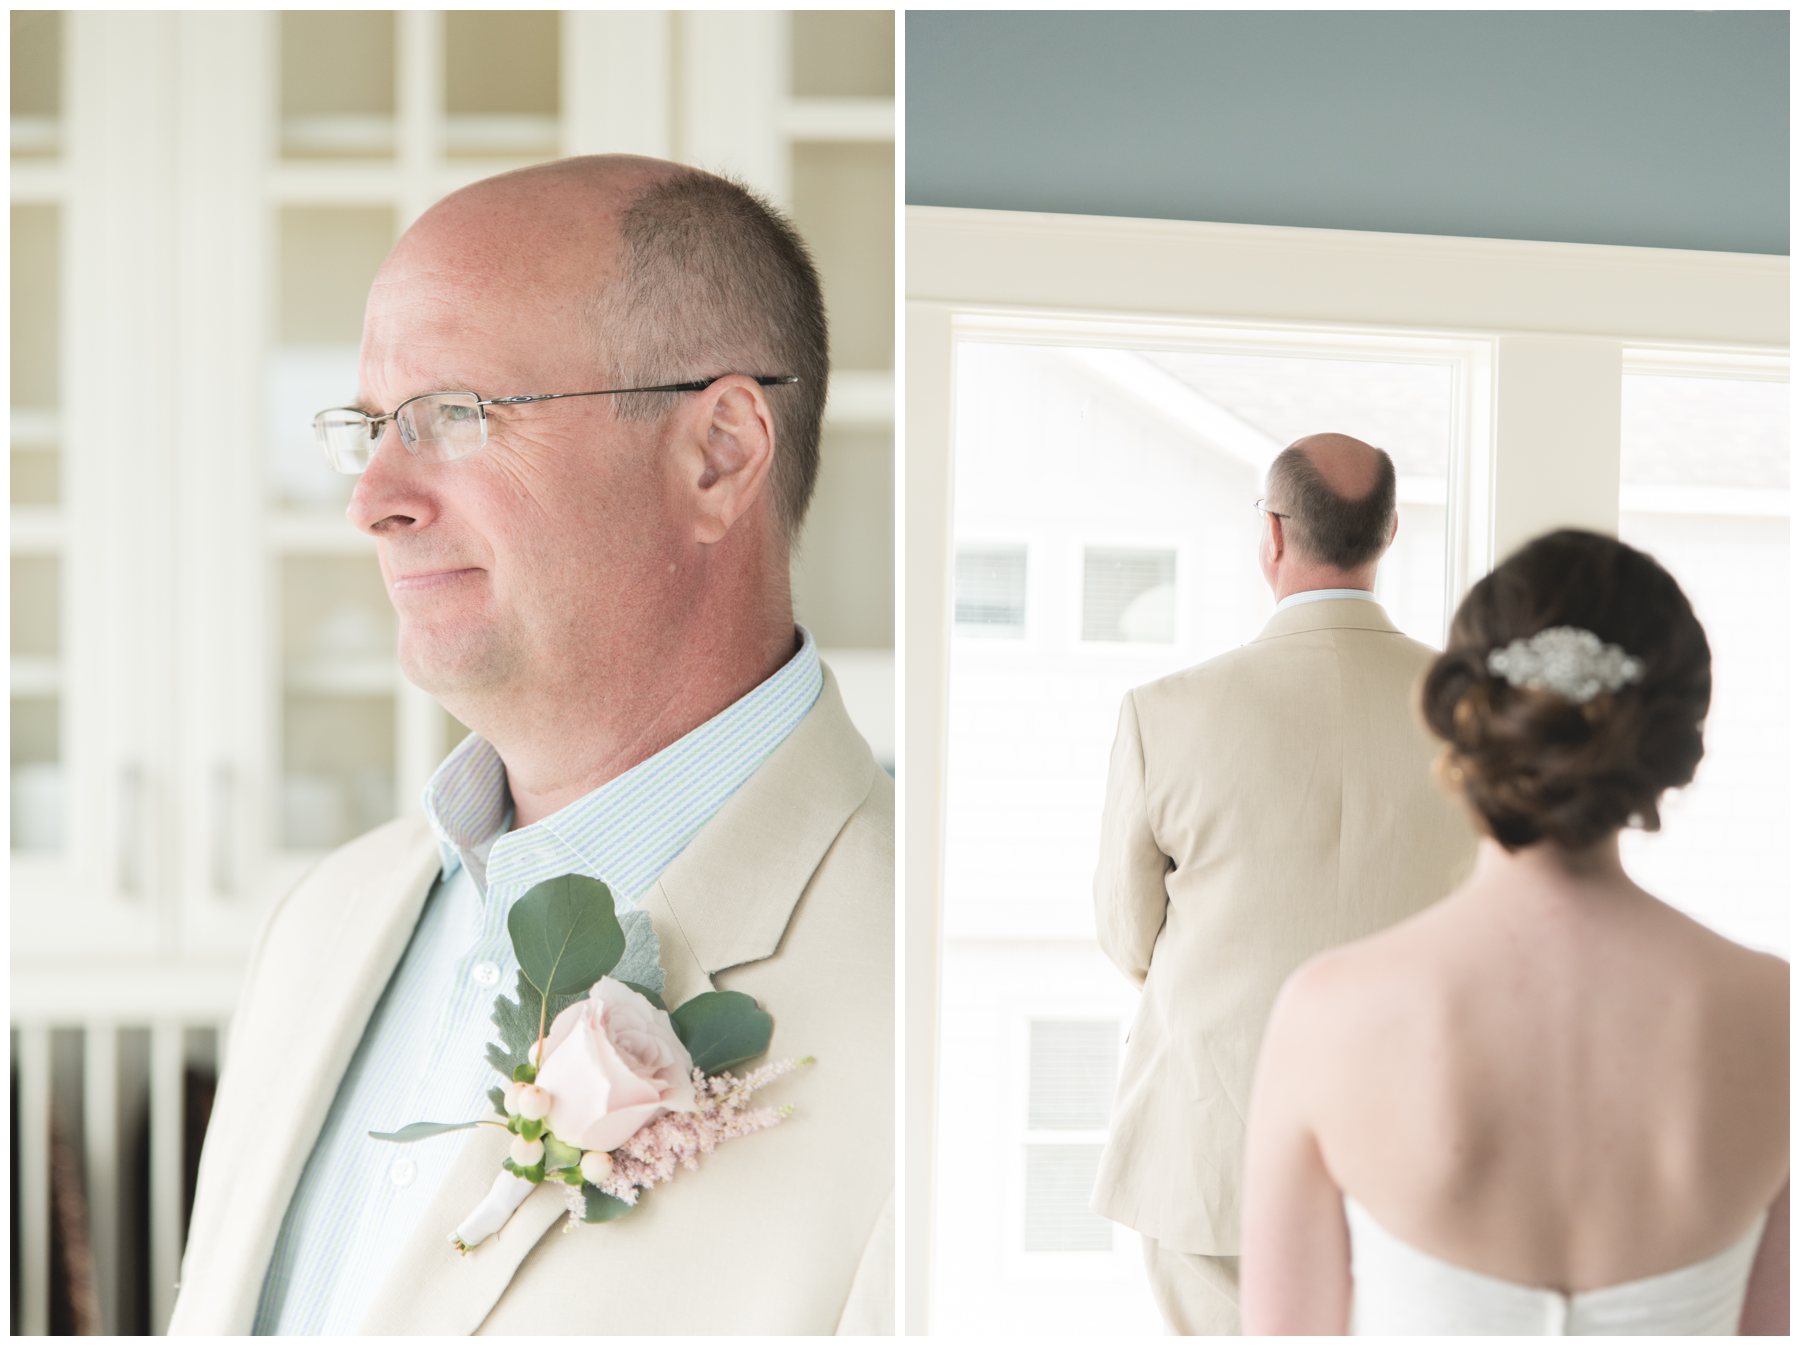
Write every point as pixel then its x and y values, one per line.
pixel 596 1165
pixel 512 1098
pixel 525 1153
pixel 534 1103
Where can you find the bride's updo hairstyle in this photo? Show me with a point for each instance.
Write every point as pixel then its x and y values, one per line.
pixel 1535 764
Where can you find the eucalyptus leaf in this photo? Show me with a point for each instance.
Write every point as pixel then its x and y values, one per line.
pixel 602 1207
pixel 721 1029
pixel 421 1131
pixel 565 934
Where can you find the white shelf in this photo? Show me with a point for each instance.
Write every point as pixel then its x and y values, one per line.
pixel 38 182
pixel 34 428
pixel 361 136
pixel 862 120
pixel 37 530
pixel 322 531
pixel 356 134
pixel 355 675
pixel 36 135
pixel 516 136
pixel 334 183
pixel 861 398
pixel 36 676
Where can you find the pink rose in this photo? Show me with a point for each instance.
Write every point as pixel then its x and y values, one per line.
pixel 611 1063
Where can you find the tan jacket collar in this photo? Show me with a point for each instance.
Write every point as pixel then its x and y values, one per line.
pixel 1357 614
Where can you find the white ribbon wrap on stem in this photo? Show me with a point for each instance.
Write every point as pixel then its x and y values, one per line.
pixel 506 1195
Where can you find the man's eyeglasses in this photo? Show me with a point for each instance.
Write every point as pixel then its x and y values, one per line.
pixel 442 427
pixel 1266 510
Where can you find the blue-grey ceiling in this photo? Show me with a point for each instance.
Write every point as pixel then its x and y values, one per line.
pixel 1659 129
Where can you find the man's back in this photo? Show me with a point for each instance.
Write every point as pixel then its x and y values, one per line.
pixel 1261 807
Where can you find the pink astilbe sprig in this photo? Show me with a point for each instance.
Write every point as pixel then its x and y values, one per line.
pixel 676 1140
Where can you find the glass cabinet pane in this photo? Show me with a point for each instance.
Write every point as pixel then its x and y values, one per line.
pixel 36 311
pixel 36 608
pixel 336 619
pixel 36 355
pixel 454 731
pixel 327 259
pixel 337 84
pixel 337 777
pixel 842 53
pixel 37 37
pixel 37 772
pixel 844 569
pixel 502 83
pixel 37 766
pixel 844 207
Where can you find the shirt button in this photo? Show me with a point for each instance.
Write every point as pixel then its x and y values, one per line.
pixel 403 1172
pixel 485 974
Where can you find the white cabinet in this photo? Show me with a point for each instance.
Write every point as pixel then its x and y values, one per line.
pixel 205 696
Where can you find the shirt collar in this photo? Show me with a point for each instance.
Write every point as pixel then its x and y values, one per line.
pixel 626 831
pixel 1320 595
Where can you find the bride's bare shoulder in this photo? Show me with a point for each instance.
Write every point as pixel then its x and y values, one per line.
pixel 1346 985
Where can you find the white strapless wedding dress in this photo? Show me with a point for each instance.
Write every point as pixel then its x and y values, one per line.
pixel 1399 1289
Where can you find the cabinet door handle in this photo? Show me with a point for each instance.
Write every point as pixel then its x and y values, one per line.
pixel 224 825
pixel 131 831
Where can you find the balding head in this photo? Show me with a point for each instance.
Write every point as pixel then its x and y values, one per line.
pixel 642 272
pixel 1339 494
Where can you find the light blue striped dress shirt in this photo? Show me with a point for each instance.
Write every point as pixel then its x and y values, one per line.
pixel 422 1054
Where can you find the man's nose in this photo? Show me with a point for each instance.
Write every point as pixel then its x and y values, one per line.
pixel 391 489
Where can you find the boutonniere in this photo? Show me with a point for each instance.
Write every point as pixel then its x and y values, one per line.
pixel 607 1093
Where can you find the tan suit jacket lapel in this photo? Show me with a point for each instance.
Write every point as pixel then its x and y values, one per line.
pixel 731 893
pixel 724 901
pixel 278 1102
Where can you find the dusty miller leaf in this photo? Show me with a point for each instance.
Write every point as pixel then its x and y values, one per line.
pixel 517 1021
pixel 641 963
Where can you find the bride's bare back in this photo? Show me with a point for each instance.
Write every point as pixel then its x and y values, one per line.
pixel 1552 1078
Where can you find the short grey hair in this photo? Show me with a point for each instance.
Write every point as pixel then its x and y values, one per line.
pixel 1322 525
pixel 714 280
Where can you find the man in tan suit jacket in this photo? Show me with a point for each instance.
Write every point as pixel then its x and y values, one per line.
pixel 594 586
pixel 1260 807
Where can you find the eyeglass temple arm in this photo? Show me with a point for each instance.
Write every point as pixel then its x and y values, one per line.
pixel 695 386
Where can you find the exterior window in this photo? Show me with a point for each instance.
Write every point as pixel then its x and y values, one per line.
pixel 990 591
pixel 1128 594
pixel 1704 488
pixel 1073 1067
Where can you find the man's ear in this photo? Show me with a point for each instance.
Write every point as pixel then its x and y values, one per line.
pixel 724 454
pixel 1277 541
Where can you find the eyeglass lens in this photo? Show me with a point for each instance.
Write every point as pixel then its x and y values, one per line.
pixel 438 428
